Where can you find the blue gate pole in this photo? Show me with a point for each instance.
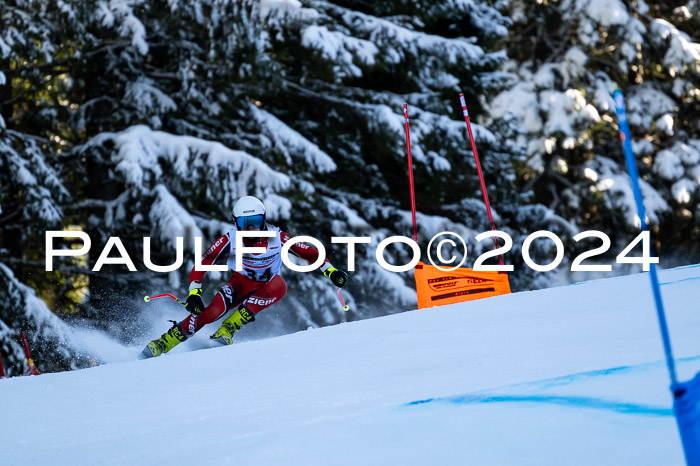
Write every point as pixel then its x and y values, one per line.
pixel 686 396
pixel 634 178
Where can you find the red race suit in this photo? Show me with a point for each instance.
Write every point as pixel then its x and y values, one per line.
pixel 258 284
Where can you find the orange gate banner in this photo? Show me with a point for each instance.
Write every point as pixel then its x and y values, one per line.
pixel 436 287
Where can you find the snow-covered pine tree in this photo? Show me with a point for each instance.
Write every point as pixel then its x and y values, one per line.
pixel 158 115
pixel 36 44
pixel 315 92
pixel 52 343
pixel 567 57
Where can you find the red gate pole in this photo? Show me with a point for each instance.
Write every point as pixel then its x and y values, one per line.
pixel 410 172
pixel 2 369
pixel 478 169
pixel 30 362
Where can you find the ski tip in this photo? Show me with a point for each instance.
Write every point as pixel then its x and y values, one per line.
pixel 145 354
pixel 461 94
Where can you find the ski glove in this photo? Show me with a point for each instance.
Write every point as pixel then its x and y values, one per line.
pixel 194 304
pixel 337 276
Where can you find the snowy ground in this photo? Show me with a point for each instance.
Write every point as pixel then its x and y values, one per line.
pixel 569 375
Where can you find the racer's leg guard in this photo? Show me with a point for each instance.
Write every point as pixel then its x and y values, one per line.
pixel 165 343
pixel 233 323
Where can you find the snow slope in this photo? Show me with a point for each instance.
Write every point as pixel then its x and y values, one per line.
pixel 568 375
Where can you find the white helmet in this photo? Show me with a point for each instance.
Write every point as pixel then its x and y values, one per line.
pixel 248 211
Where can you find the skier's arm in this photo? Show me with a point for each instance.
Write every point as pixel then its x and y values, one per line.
pixel 194 304
pixel 310 254
pixel 216 251
pixel 302 250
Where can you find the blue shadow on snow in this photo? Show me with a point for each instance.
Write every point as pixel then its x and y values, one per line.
pixel 572 401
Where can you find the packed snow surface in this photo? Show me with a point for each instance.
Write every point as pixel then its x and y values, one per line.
pixel 567 375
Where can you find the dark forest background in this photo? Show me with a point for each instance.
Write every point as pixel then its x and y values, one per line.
pixel 150 118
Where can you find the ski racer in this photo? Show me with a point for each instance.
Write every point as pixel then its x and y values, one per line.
pixel 257 286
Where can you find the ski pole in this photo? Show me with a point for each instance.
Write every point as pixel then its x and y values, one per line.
pixel 345 306
pixel 164 295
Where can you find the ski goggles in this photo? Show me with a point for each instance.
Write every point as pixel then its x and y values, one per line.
pixel 250 221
